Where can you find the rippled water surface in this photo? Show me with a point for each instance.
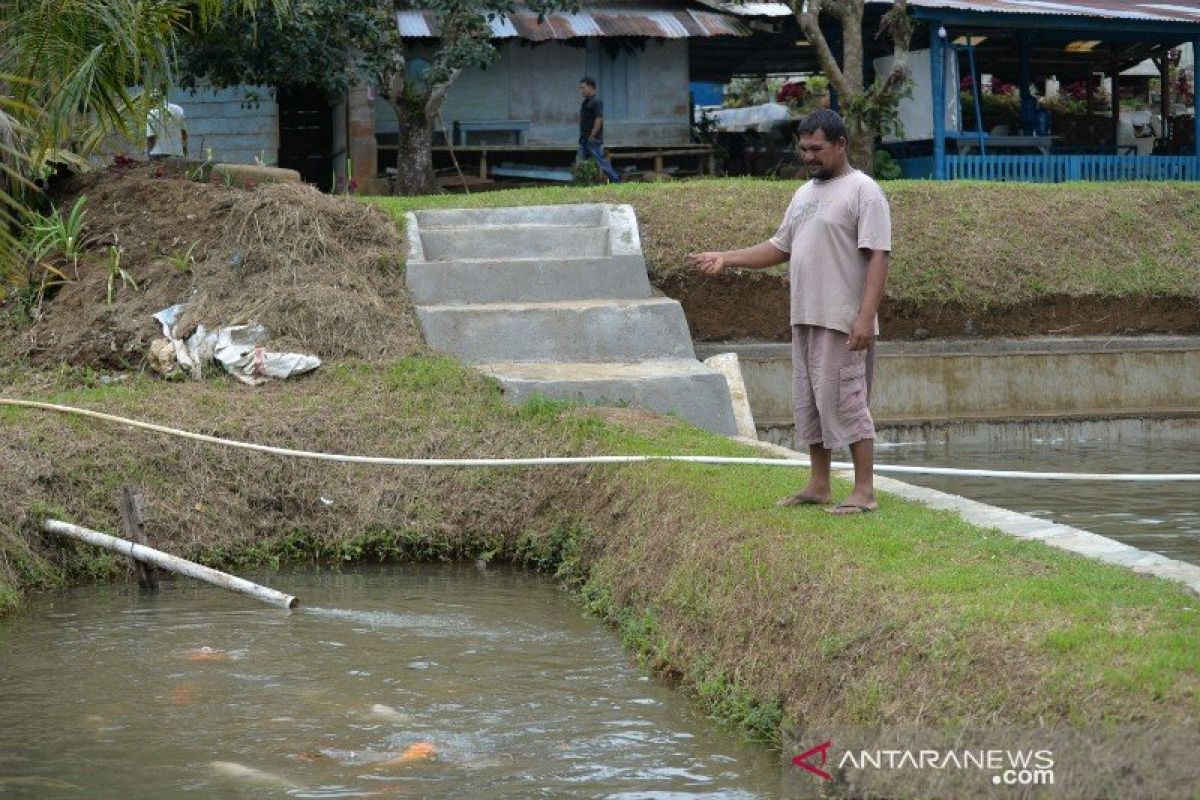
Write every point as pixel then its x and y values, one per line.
pixel 390 682
pixel 1161 517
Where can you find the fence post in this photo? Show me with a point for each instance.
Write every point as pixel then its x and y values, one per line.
pixel 133 521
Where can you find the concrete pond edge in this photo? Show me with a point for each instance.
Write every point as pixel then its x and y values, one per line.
pixel 1024 526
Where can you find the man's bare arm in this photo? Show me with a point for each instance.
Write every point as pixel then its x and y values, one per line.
pixel 760 256
pixel 863 329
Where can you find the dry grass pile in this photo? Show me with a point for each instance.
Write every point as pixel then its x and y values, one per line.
pixel 322 273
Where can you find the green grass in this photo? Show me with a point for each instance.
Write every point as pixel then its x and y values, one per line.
pixel 764 614
pixel 1087 621
pixel 976 244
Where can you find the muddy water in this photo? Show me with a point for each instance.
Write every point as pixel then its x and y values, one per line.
pixel 1163 518
pixel 471 684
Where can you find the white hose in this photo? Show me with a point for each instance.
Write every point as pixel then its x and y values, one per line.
pixel 576 460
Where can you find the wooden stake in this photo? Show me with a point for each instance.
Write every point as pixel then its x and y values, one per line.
pixel 133 521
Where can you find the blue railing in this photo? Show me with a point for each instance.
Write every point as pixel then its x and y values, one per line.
pixel 1056 169
pixel 920 167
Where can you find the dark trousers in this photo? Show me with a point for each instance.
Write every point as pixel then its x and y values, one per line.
pixel 594 148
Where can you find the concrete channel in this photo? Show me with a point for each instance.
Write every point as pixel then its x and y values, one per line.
pixel 987 391
pixel 995 381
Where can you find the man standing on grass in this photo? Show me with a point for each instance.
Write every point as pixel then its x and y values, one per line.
pixel 837 236
pixel 591 129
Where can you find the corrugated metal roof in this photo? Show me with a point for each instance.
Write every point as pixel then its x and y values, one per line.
pixel 653 20
pixel 1152 10
pixel 1178 11
pixel 750 9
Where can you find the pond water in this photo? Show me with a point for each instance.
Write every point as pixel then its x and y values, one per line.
pixel 1160 517
pixel 421 681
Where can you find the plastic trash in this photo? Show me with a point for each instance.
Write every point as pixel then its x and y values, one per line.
pixel 240 349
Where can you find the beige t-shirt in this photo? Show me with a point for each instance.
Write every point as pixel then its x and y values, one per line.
pixel 825 229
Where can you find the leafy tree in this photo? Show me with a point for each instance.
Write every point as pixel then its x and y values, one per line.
pixel 332 44
pixel 869 110
pixel 326 45
pixel 65 71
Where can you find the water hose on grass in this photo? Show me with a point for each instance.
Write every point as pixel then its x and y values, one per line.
pixel 585 460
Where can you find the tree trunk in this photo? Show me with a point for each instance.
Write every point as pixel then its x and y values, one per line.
pixel 414 155
pixel 861 150
pixel 847 78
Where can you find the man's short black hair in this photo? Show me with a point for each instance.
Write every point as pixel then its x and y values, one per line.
pixel 590 81
pixel 825 120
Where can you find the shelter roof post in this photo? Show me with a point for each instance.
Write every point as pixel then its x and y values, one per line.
pixel 938 80
pixel 1028 107
pixel 1114 72
pixel 1195 100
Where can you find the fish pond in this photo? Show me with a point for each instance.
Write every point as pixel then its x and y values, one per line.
pixel 1160 517
pixel 389 681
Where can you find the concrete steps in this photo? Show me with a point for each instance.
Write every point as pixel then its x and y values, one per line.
pixel 522 241
pixel 554 300
pixel 533 280
pixel 677 386
pixel 571 330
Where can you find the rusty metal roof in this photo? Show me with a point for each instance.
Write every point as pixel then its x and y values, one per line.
pixel 660 19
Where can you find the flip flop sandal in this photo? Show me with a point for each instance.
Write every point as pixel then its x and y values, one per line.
pixel 799 499
pixel 846 509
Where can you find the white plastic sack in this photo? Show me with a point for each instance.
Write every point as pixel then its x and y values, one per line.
pixel 239 349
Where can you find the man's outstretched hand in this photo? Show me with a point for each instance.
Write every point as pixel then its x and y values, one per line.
pixel 708 263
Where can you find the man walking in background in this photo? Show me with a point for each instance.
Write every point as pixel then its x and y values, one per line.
pixel 166 130
pixel 591 129
pixel 837 238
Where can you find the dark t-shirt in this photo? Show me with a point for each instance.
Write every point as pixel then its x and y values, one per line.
pixel 591 108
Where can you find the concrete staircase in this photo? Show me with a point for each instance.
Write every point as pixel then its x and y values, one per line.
pixel 555 300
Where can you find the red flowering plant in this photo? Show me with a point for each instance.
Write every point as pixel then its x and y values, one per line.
pixel 1000 87
pixel 1184 88
pixel 794 93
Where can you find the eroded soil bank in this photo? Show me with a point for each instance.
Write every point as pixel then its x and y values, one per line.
pixel 772 618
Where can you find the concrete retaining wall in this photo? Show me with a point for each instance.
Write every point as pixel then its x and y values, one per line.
pixel 986 380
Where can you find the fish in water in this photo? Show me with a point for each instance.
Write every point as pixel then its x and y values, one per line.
pixel 230 769
pixel 37 781
pixel 419 751
pixel 207 654
pixel 390 714
pixel 184 694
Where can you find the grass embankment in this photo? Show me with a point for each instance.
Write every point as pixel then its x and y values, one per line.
pixel 1010 259
pixel 910 616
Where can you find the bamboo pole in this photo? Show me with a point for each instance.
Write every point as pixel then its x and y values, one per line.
pixel 172 563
